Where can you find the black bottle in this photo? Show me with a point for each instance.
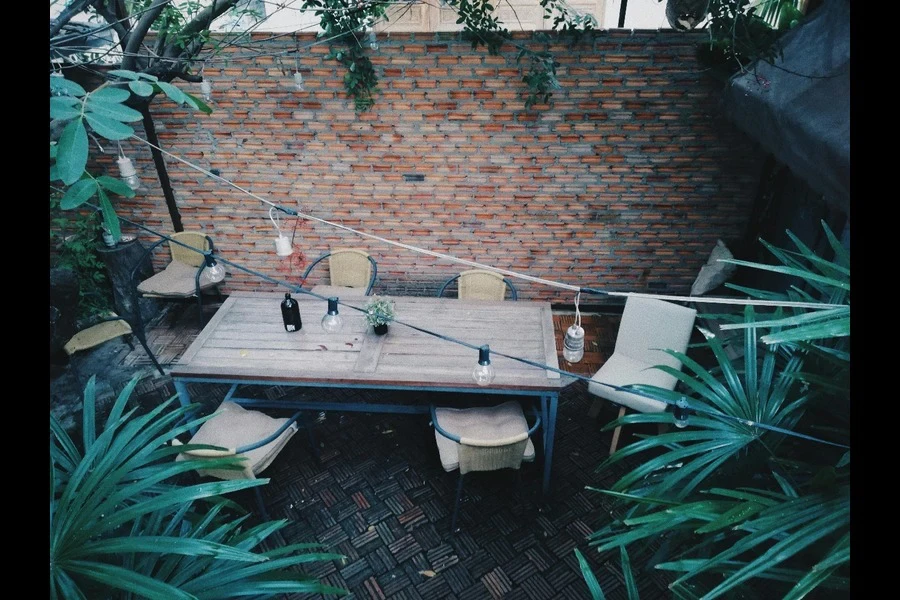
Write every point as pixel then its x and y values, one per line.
pixel 290 312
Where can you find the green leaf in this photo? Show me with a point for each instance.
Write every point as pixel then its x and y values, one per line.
pixel 801 273
pixel 73 152
pixel 174 94
pixel 66 86
pixel 79 193
pixel 116 186
pixel 630 585
pixel 148 77
pixel 845 460
pixel 110 220
pixel 822 570
pixel 173 545
pixel 589 578
pixel 119 112
pixel 110 95
pixel 141 88
pixel 61 108
pixel 127 580
pixel 111 129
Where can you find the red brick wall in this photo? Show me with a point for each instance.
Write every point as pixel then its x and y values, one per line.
pixel 625 181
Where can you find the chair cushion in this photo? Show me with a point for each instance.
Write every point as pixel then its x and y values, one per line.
pixel 480 423
pixel 176 280
pixel 96 335
pixel 233 427
pixel 339 291
pixel 623 370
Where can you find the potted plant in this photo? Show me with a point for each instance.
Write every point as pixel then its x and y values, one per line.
pixel 379 312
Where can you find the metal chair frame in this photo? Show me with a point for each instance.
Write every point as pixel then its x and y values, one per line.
pixel 483 443
pixel 513 295
pixel 327 254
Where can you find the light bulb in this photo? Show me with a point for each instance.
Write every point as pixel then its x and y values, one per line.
pixel 214 271
pixel 283 246
pixel 680 413
pixel 483 373
pixel 128 173
pixel 206 89
pixel 298 81
pixel 373 41
pixel 332 321
pixel 573 344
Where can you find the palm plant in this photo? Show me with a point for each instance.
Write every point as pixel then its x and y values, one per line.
pixel 750 491
pixel 123 525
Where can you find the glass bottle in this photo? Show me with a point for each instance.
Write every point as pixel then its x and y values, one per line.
pixel 290 312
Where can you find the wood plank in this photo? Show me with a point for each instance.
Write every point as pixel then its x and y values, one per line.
pixel 369 355
pixel 550 357
pixel 208 330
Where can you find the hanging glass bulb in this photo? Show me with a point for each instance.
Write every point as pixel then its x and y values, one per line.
pixel 680 413
pixel 128 173
pixel 206 89
pixel 214 271
pixel 332 321
pixel 483 373
pixel 573 344
pixel 298 81
pixel 373 41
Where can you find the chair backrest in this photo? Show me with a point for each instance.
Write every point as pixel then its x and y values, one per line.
pixel 483 285
pixel 187 256
pixel 474 457
pixel 648 326
pixel 350 268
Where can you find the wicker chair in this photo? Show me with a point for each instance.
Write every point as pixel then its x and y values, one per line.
pixel 185 276
pixel 647 327
pixel 108 327
pixel 352 273
pixel 253 435
pixel 481 285
pixel 482 439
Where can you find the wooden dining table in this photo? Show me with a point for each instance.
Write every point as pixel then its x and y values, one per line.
pixel 245 344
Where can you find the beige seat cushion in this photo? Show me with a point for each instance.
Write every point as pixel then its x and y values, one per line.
pixel 479 423
pixel 621 370
pixel 339 291
pixel 233 427
pixel 96 335
pixel 176 280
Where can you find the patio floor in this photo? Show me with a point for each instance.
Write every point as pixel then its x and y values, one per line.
pixel 380 497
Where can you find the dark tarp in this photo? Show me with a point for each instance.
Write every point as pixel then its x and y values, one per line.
pixel 803 121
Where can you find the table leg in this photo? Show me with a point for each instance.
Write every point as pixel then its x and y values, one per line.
pixel 548 411
pixel 184 398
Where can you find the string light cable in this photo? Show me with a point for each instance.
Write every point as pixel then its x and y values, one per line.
pixel 681 405
pixel 477 265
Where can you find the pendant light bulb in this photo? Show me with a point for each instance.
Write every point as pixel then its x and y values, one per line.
pixel 573 344
pixel 128 173
pixel 332 321
pixel 206 89
pixel 298 81
pixel 680 414
pixel 214 271
pixel 373 41
pixel 484 373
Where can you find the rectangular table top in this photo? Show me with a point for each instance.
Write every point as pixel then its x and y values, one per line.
pixel 246 340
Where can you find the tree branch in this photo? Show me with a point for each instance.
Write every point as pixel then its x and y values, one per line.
pixel 114 19
pixel 139 32
pixel 200 23
pixel 78 6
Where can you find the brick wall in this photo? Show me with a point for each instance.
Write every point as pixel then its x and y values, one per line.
pixel 624 181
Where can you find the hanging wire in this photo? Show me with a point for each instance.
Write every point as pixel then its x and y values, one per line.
pixel 477 265
pixel 209 254
pixel 577 311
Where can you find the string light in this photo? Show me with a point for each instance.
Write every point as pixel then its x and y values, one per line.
pixel 689 409
pixel 127 172
pixel 680 413
pixel 283 246
pixel 332 321
pixel 214 271
pixel 373 41
pixel 573 343
pixel 206 89
pixel 298 81
pixel 484 373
